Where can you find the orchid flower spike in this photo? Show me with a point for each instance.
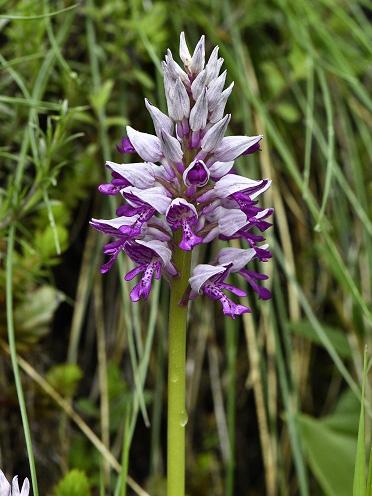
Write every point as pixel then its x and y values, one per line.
pixel 183 183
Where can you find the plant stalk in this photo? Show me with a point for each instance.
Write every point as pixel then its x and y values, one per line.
pixel 177 415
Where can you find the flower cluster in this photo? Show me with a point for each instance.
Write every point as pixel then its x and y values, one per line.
pixel 186 184
pixel 13 490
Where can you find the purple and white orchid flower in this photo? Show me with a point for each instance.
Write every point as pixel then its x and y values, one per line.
pixel 184 186
pixel 7 489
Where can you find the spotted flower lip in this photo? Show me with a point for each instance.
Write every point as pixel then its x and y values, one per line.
pixel 182 214
pixel 151 257
pixel 7 489
pixel 183 190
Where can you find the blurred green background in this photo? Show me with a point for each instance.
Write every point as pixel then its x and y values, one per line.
pixel 273 398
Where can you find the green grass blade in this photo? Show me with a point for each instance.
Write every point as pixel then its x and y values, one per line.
pixel 359 485
pixel 13 354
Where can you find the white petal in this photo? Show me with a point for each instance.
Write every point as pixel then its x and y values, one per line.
pixel 174 69
pixel 230 220
pixel 233 183
pixel 15 486
pixel 141 175
pixel 198 57
pixel 202 273
pixel 4 485
pixel 220 105
pixel 220 169
pixel 185 55
pixel 232 147
pixel 214 136
pixel 156 197
pixel 159 247
pixel 199 112
pixel 25 487
pixel 178 101
pixel 213 65
pixel 146 145
pixel 237 256
pixel 198 84
pixel 117 222
pixel 215 90
pixel 160 120
pixel 171 147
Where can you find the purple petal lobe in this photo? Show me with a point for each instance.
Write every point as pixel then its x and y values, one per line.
pixel 196 174
pixel 108 189
pixel 125 146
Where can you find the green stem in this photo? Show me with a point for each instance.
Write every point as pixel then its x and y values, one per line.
pixel 13 356
pixel 177 415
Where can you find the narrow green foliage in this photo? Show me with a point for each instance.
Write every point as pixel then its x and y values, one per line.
pixel 359 485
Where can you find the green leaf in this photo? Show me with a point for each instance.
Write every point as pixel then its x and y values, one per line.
pixel 65 378
pixel 288 112
pixel 337 338
pixel 101 96
pixel 74 483
pixel 33 315
pixel 330 455
pixel 369 481
pixel 344 418
pixel 44 241
pixel 359 486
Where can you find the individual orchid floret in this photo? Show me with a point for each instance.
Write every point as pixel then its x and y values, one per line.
pixel 183 215
pixel 238 258
pixel 142 205
pixel 151 257
pixel 210 281
pixel 13 490
pixel 112 229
